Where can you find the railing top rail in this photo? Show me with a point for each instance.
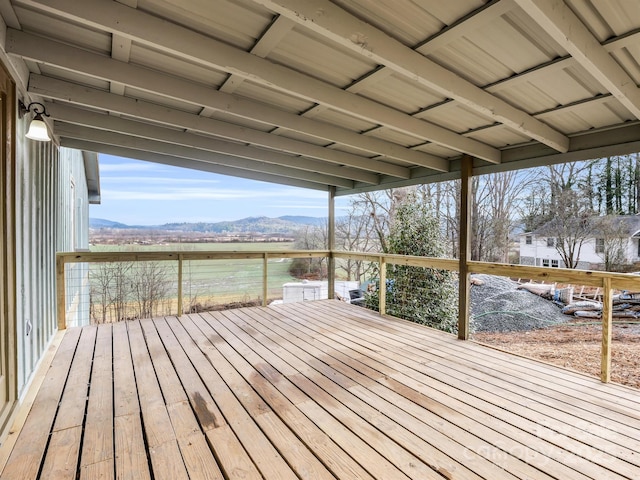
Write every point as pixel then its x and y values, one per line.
pixel 157 255
pixel 619 281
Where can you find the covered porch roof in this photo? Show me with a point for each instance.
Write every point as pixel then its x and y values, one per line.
pixel 350 94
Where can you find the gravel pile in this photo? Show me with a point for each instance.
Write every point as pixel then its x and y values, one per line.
pixel 496 306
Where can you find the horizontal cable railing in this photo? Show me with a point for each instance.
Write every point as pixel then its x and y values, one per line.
pixel 112 286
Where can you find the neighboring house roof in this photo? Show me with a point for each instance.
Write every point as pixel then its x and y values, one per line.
pixel 626 225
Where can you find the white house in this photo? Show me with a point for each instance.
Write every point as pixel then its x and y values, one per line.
pixel 538 247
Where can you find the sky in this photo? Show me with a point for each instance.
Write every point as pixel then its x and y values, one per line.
pixel 135 192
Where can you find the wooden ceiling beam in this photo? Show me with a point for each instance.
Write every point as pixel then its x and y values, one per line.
pixel 105 137
pixel 61 90
pixel 206 51
pixel 41 50
pixel 564 26
pixel 327 19
pixel 70 115
pixel 183 162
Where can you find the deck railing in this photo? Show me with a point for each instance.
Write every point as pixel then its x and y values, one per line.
pixel 606 281
pixel 73 268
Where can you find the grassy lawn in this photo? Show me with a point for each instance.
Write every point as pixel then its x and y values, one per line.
pixel 215 282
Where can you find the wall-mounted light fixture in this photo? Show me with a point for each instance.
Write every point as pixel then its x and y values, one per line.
pixel 37 128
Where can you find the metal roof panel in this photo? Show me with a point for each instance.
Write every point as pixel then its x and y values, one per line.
pixel 236 22
pixel 337 66
pixel 64 30
pixel 402 94
pixel 504 82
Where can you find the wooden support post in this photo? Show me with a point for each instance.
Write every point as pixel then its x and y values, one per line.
pixel 382 288
pixel 265 279
pixel 466 172
pixel 331 240
pixel 61 299
pixel 180 264
pixel 607 326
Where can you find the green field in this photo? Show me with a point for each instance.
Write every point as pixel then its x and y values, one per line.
pixel 215 282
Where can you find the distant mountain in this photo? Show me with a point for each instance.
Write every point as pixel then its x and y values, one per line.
pixel 319 221
pixel 102 223
pixel 282 225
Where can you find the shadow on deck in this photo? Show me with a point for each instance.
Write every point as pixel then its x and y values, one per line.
pixel 315 390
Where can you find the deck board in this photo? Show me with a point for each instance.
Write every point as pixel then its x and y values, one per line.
pixel 515 410
pixel 97 457
pixel 316 390
pixel 130 452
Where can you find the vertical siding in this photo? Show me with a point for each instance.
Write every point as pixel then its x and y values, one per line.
pixel 44 214
pixel 74 232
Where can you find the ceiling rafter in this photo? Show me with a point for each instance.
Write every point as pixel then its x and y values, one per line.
pixel 570 107
pixel 184 162
pixel 540 71
pixel 67 114
pixel 332 22
pixel 121 51
pixel 473 21
pixel 469 23
pixel 265 44
pixel 74 59
pixel 108 137
pixel 203 50
pixel 269 39
pixel 564 26
pixel 52 88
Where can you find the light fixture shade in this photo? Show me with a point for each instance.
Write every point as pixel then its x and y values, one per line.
pixel 38 130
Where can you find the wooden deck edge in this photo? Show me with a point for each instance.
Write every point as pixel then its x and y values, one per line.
pixel 19 416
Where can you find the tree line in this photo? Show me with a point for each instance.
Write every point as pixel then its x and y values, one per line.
pixel 563 198
pixel 566 202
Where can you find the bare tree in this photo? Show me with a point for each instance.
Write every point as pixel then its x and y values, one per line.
pixel 571 226
pixel 500 199
pixel 110 292
pixel 614 236
pixel 310 237
pixel 378 206
pixel 443 198
pixel 151 287
pixel 354 232
pixel 121 292
pixel 101 282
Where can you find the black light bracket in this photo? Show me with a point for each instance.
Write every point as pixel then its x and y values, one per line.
pixel 35 107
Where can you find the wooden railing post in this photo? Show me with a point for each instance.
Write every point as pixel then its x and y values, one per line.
pixel 180 264
pixel 607 325
pixel 331 244
pixel 464 253
pixel 265 278
pixel 61 299
pixel 382 289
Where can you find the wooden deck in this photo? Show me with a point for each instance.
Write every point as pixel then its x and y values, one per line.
pixel 315 390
